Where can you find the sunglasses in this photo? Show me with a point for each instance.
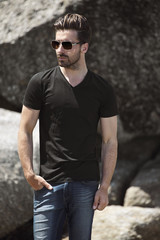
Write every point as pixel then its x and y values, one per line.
pixel 66 45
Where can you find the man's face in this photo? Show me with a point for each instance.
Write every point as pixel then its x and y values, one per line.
pixel 68 58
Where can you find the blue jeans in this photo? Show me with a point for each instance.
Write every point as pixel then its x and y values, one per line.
pixel 71 200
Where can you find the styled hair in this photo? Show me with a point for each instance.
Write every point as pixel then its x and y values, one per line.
pixel 75 22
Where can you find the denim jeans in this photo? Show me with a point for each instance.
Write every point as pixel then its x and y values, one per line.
pixel 71 200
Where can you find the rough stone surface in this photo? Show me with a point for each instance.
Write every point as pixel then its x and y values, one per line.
pixel 125 50
pixel 144 190
pixel 25 45
pixel 126 223
pixel 16 195
pixel 132 156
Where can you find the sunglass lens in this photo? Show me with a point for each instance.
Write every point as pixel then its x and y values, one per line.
pixel 55 44
pixel 67 45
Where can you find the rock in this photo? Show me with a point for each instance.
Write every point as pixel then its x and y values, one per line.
pixel 25 45
pixel 144 190
pixel 24 232
pixel 123 174
pixel 124 50
pixel 16 195
pixel 131 157
pixel 121 223
pixel 126 223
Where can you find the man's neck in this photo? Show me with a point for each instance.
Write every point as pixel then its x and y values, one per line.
pixel 74 76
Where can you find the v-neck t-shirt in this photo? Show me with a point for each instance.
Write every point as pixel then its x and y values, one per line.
pixel 68 123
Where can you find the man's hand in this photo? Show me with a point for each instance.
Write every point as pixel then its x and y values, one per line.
pixel 100 199
pixel 37 182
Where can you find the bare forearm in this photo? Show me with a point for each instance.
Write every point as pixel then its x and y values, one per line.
pixel 25 150
pixel 108 158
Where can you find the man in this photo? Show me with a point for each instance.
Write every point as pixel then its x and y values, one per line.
pixel 69 100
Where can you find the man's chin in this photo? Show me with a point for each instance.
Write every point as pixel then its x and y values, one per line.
pixel 63 64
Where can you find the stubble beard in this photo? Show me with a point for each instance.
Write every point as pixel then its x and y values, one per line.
pixel 70 63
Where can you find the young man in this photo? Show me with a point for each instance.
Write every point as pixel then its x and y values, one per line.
pixel 69 100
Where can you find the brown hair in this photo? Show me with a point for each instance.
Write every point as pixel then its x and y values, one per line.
pixel 75 22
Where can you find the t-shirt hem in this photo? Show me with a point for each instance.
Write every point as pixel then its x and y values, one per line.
pixel 54 183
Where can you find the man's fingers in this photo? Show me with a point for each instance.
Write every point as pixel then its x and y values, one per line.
pixel 100 200
pixel 96 202
pixel 102 205
pixel 44 183
pixel 48 186
pixel 103 202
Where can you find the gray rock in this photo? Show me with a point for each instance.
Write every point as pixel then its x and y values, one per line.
pixel 131 157
pixel 144 190
pixel 16 196
pixel 126 223
pixel 124 50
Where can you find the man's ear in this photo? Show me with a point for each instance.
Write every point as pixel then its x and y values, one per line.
pixel 84 47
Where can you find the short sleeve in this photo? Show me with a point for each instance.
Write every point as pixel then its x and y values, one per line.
pixel 108 104
pixel 33 94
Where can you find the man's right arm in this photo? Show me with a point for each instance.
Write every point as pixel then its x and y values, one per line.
pixel 28 121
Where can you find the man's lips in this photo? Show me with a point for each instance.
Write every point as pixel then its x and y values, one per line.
pixel 62 57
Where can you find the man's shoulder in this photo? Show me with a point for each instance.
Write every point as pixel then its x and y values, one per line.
pixel 43 75
pixel 100 81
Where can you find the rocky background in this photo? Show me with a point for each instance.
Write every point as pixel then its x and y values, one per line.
pixel 125 49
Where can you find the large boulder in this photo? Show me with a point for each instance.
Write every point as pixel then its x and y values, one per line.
pixel 124 50
pixel 144 190
pixel 25 45
pixel 126 223
pixel 131 158
pixel 16 196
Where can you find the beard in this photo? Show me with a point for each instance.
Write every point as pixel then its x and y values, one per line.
pixel 68 62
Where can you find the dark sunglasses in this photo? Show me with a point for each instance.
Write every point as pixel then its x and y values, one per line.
pixel 66 45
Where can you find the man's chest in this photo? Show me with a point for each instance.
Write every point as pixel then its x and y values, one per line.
pixel 74 100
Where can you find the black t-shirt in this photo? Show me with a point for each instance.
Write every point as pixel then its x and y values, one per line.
pixel 68 123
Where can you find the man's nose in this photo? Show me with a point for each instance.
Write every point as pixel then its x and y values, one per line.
pixel 60 49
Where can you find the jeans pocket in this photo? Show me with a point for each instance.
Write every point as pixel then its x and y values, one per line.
pixel 38 190
pixel 39 196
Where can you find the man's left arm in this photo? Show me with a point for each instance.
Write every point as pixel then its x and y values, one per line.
pixel 108 158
